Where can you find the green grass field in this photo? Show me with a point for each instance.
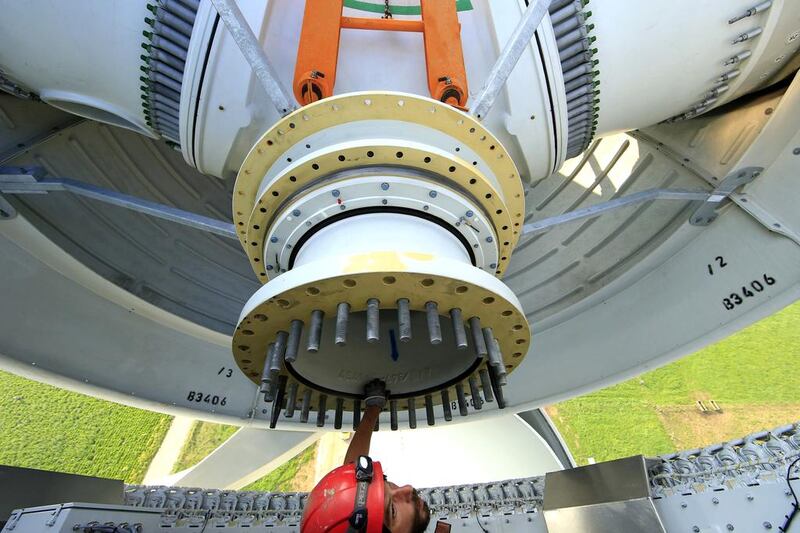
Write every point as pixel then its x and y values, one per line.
pixel 52 429
pixel 754 376
pixel 204 439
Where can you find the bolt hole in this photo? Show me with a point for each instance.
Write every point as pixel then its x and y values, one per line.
pixel 312 291
pixel 472 130
pixel 256 226
pixel 292 178
pixel 473 181
pixel 256 259
pixel 488 300
pixel 427 282
pixel 275 193
pixel 349 283
pixel 517 327
pixel 269 143
pixel 461 289
pixel 260 317
pixel 516 355
pixel 507 312
pixel 248 332
pixel 370 153
pixel 488 195
pixel 388 280
pixel 519 341
pixel 427 159
pixel 399 155
pixel 315 166
pixel 282 303
pixel 499 212
pixel 341 158
pixel 452 169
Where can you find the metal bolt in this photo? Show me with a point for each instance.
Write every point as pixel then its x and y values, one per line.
pixel 749 497
pixel 469 214
pixel 715 500
pixel 296 212
pixel 273 239
pixel 493 265
pixel 342 207
pixel 335 193
pixel 425 207
pixel 683 505
pixel 269 267
pixel 696 529
pixel 385 186
pixel 767 525
pixel 489 239
pixel 432 194
pixel 796 151
pixel 384 201
pixel 757 173
pixel 729 527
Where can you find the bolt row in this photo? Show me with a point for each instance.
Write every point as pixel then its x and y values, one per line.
pixel 280 395
pixel 286 346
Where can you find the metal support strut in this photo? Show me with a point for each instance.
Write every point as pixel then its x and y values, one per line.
pixel 251 49
pixel 519 41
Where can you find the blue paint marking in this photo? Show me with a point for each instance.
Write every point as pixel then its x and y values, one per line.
pixel 393 342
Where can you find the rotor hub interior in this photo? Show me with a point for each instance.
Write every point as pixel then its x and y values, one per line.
pixel 379 224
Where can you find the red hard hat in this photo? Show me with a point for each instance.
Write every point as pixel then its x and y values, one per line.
pixel 332 505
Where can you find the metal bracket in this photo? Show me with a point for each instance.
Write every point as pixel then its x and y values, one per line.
pixel 54 516
pixel 773 224
pixel 707 213
pixel 13 519
pixel 29 180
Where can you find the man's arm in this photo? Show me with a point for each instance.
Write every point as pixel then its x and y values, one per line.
pixel 375 400
pixel 359 445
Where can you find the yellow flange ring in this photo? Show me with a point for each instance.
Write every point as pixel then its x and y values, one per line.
pixel 352 107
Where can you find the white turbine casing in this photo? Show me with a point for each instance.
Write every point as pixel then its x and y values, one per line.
pixel 652 64
pixel 82 57
pixel 602 309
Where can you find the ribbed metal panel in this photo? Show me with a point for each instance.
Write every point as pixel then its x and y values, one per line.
pixel 166 47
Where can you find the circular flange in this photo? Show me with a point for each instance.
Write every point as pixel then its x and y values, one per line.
pixel 354 107
pixel 325 165
pixel 412 194
pixel 387 276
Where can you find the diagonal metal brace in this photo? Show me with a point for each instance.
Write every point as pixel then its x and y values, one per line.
pixel 251 49
pixel 29 180
pixel 649 195
pixel 519 41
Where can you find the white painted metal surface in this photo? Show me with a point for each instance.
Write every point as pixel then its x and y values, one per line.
pixel 501 448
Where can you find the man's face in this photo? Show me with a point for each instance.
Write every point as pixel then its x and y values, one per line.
pixel 404 510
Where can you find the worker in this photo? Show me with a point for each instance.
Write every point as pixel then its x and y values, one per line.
pixel 357 496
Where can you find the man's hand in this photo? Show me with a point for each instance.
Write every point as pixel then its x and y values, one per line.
pixel 375 392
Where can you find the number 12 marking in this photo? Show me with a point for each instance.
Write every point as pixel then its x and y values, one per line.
pixel 720 262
